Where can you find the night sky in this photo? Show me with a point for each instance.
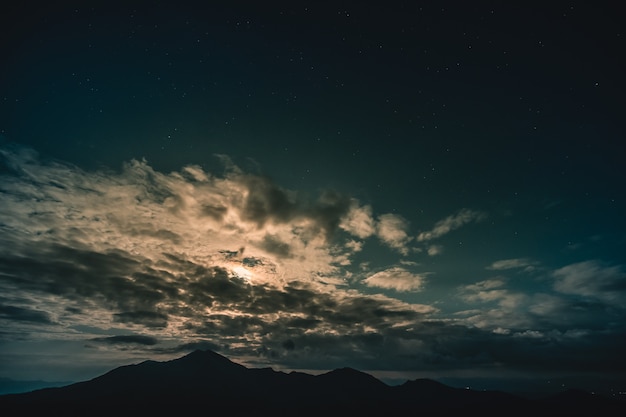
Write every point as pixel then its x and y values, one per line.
pixel 413 189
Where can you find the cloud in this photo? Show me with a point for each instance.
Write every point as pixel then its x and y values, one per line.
pixel 359 221
pixel 587 296
pixel 127 339
pixel 451 223
pixel 492 291
pixel 434 250
pixel 21 314
pixel 558 311
pixel 151 319
pixel 396 278
pixel 147 213
pixel 272 244
pixel 507 308
pixel 485 285
pixel 187 256
pixel 591 279
pixel 157 263
pixel 440 346
pixel 515 263
pixel 392 230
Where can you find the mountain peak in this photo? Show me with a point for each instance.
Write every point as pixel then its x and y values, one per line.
pixel 203 353
pixel 426 383
pixel 346 371
pixel 351 376
pixel 205 358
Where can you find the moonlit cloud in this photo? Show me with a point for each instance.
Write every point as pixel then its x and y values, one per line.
pixel 451 223
pixel 493 290
pixel 496 307
pixel 173 257
pixel 396 278
pixel 592 280
pixel 515 263
pixel 392 230
pixel 144 212
pixel 359 221
pixel 248 182
pixel 151 263
pixel 434 250
pixel 585 294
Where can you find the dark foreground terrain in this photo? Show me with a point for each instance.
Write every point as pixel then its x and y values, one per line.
pixel 205 383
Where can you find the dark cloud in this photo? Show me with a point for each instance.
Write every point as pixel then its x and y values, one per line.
pixel 289 345
pixel 365 311
pixel 128 339
pixel 564 313
pixel 209 285
pixel 215 212
pixel 303 323
pixel 267 202
pixel 227 326
pixel 77 274
pixel 159 234
pixel 330 209
pixel 191 346
pixel 274 245
pixel 146 318
pixel 251 261
pixel 441 346
pixel 8 312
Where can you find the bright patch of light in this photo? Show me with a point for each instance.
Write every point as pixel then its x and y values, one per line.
pixel 242 272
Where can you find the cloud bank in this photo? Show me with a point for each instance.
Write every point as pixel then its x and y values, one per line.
pixel 142 261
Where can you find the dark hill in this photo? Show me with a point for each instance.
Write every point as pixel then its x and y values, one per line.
pixel 204 382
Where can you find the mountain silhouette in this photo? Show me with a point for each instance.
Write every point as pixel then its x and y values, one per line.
pixel 205 382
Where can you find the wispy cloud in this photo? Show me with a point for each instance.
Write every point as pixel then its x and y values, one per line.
pixel 492 290
pixel 21 314
pixel 359 221
pixel 593 280
pixel 127 339
pixel 451 223
pixel 434 250
pixel 392 230
pixel 397 278
pixel 515 263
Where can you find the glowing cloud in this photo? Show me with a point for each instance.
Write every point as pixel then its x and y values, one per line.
pixel 392 230
pixel 451 223
pixel 593 280
pixel 175 256
pixel 359 221
pixel 515 263
pixel 398 279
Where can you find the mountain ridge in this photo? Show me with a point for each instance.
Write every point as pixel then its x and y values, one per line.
pixel 204 378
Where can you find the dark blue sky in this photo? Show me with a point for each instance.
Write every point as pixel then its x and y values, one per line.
pixel 420 189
